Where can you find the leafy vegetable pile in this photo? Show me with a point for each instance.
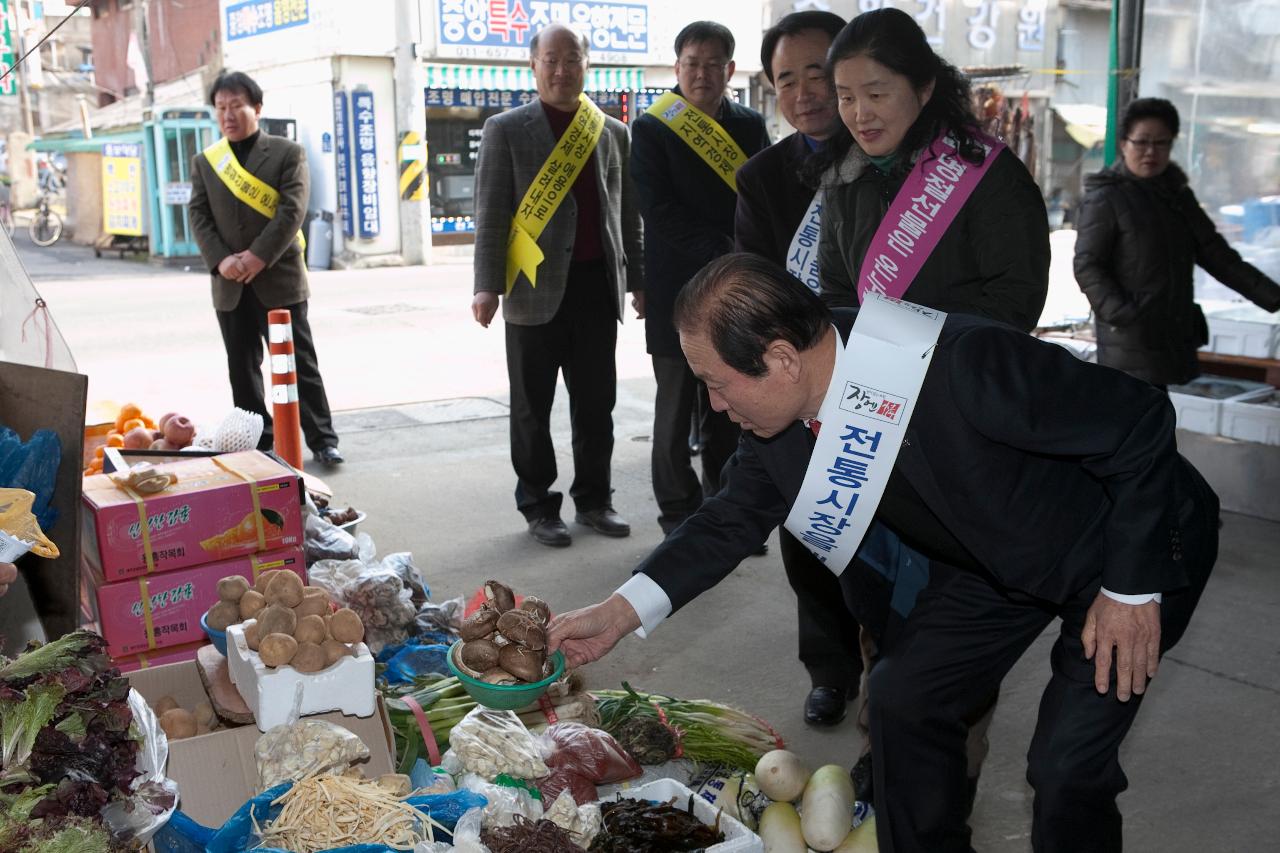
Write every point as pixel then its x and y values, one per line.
pixel 67 742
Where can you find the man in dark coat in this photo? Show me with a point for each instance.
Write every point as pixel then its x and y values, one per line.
pixel 688 211
pixel 1140 234
pixel 256 260
pixel 1053 486
pixel 779 219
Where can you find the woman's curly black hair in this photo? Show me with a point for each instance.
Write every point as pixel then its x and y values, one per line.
pixel 893 38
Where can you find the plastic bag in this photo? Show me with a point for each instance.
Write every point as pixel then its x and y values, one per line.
pixel 19 530
pixel 153 798
pixel 322 540
pixel 409 661
pixel 466 837
pixel 445 617
pixel 426 779
pixel 489 742
pixel 505 801
pixel 32 466
pixel 381 593
pixel 581 757
pixel 582 822
pixel 290 752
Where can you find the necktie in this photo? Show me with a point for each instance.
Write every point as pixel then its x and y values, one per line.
pixel 815 425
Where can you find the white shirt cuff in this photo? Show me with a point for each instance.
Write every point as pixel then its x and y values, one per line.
pixel 1136 598
pixel 648 600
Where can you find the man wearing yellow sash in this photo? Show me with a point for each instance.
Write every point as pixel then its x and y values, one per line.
pixel 248 198
pixel 687 149
pixel 558 244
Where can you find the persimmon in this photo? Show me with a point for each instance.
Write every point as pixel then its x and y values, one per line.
pixel 128 412
pixel 98 451
pixel 132 423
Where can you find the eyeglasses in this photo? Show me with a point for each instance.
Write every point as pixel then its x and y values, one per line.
pixel 694 67
pixel 562 62
pixel 1151 144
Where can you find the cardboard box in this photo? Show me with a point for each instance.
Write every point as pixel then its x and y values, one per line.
pixel 221 507
pixel 216 773
pixel 157 611
pixel 162 657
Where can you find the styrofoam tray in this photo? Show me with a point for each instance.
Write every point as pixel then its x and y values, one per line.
pixel 347 686
pixel 737 838
pixel 1202 412
pixel 1245 331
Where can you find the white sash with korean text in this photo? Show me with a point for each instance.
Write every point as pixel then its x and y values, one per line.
pixel 802 256
pixel 874 387
pixel 928 201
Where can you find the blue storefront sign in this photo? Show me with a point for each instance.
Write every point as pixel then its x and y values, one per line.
pixel 366 151
pixel 342 153
pixel 611 26
pixel 255 17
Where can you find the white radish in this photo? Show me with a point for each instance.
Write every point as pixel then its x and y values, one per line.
pixel 781 775
pixel 861 839
pixel 780 829
pixel 827 807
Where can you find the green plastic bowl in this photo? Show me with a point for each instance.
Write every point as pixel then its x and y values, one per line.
pixel 505 697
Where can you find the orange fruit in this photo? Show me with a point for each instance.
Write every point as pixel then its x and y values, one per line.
pixel 97 452
pixel 127 412
pixel 115 439
pixel 132 423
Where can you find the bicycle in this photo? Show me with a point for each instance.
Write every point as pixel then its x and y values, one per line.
pixel 6 218
pixel 46 225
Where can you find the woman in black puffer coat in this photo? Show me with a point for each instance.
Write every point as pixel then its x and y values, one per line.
pixel 1141 233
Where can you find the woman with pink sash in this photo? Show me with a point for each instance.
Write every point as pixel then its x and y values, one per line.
pixel 920 205
pixel 957 221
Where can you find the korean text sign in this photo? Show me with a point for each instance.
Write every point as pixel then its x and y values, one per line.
pixel 366 152
pixel 256 17
pixel 621 27
pixel 122 188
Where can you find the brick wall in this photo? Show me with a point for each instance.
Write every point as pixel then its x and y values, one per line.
pixel 185 36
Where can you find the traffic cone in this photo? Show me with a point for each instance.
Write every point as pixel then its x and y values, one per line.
pixel 284 387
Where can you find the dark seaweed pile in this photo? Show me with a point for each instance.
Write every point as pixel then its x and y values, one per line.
pixel 641 826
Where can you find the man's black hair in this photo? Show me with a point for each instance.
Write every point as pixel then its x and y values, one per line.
pixel 794 24
pixel 743 302
pixel 1145 108
pixel 236 81
pixel 700 31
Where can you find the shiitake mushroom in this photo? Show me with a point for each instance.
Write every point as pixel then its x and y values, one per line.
pixel 479 624
pixel 481 655
pixel 522 628
pixel 541 612
pixel 499 596
pixel 525 664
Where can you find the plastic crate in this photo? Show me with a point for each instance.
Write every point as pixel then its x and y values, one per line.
pixel 1198 404
pixel 1256 419
pixel 737 838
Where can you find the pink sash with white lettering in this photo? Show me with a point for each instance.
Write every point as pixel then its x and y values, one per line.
pixel 925 206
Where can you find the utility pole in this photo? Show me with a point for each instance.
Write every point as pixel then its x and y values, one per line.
pixel 24 93
pixel 411 138
pixel 141 21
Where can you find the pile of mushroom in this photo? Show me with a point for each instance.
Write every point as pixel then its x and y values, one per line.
pixel 503 643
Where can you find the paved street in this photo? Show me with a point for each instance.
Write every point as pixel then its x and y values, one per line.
pixel 421 394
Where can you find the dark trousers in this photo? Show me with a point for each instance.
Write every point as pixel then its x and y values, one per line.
pixel 244 331
pixel 675 485
pixel 940 666
pixel 829 647
pixel 580 341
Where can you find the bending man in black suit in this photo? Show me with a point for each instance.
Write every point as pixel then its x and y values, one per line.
pixel 1054 485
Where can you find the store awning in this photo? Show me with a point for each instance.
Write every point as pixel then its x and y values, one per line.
pixel 1085 123
pixel 519 78
pixel 78 144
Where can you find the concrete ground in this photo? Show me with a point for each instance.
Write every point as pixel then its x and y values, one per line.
pixel 434 476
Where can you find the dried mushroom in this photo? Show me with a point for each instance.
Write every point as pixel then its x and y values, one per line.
pixel 523 663
pixel 541 612
pixel 519 626
pixel 499 596
pixel 479 624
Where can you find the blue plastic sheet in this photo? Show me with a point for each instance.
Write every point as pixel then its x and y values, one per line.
pixel 33 466
pixel 411 661
pixel 183 835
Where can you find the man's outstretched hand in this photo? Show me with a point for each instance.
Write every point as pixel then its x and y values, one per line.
pixel 591 632
pixel 1129 634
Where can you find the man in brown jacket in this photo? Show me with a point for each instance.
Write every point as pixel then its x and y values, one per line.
pixel 248 198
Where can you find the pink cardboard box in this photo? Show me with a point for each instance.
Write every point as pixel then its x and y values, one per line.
pixel 172 602
pixel 220 507
pixel 160 657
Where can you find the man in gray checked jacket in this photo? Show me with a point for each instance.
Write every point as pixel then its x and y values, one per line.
pixel 565 318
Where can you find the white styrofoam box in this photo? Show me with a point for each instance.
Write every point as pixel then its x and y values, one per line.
pixel 1198 404
pixel 737 838
pixel 1253 420
pixel 346 686
pixel 1245 330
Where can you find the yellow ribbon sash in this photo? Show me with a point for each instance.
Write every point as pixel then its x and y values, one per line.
pixel 541 201
pixel 244 185
pixel 702 133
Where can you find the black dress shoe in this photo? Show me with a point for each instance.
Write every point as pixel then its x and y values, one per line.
pixel 860 775
pixel 550 531
pixel 825 706
pixel 604 520
pixel 328 456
